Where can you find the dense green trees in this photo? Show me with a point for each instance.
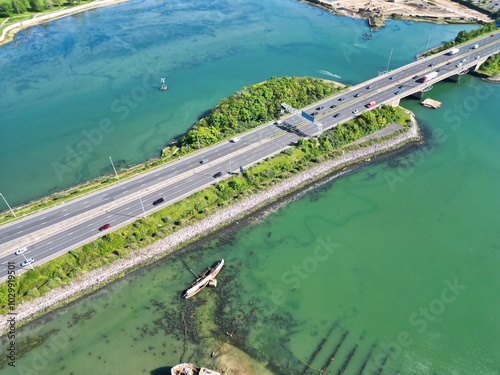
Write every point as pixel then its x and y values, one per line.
pixel 248 107
pixel 492 65
pixel 10 8
pixel 464 36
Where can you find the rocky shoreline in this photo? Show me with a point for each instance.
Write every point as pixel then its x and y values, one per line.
pixel 101 276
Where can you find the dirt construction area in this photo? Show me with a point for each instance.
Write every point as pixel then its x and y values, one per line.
pixel 444 10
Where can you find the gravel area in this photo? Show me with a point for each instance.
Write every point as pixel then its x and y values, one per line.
pixel 99 276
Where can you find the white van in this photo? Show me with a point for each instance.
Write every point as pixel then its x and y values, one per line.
pixel 235 139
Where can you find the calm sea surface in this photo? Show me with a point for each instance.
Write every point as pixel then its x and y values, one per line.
pixel 61 81
pixel 395 264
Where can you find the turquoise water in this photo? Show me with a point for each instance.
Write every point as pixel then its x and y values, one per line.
pixel 400 256
pixel 64 81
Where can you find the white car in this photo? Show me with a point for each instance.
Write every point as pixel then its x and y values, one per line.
pixel 475 46
pixel 27 262
pixel 477 57
pixel 355 111
pixel 21 250
pixel 235 139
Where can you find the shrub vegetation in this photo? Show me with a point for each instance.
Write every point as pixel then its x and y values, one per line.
pixel 143 232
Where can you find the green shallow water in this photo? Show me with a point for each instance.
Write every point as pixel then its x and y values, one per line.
pixel 401 230
pixel 408 269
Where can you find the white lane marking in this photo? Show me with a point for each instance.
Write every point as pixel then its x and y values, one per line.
pixel 126 209
pixel 48 243
pixel 105 194
pixel 66 214
pixel 90 225
pixel 20 226
pixel 157 174
pixel 143 184
pixel 65 209
pixel 21 231
pixel 87 206
pixel 44 222
pixel 70 233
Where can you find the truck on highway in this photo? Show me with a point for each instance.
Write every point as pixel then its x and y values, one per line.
pixel 454 51
pixel 371 104
pixel 429 76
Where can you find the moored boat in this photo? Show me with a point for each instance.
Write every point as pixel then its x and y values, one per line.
pixel 204 279
pixel 189 369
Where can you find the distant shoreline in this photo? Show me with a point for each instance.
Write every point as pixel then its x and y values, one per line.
pixel 11 30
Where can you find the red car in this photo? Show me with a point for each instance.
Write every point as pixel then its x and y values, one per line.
pixel 104 227
pixel 492 34
pixel 448 63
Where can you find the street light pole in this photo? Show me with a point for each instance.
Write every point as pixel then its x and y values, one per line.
pixel 8 205
pixel 144 211
pixel 116 174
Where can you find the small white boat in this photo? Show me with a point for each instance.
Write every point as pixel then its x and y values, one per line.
pixel 206 278
pixel 189 369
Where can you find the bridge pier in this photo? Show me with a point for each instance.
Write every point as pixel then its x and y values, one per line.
pixel 454 78
pixel 395 102
pixel 417 95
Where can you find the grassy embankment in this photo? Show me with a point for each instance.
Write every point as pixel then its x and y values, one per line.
pixel 240 112
pixel 463 37
pixel 143 232
pixel 29 9
pixel 491 66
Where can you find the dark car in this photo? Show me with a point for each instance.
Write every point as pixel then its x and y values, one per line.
pixel 336 115
pixel 158 201
pixel 392 77
pixel 342 98
pixel 314 113
pixel 104 227
pixel 369 87
pixel 415 77
pixel 333 106
pixel 438 70
pixel 218 174
pixel 357 95
pixel 431 65
pixel 401 86
pixel 320 107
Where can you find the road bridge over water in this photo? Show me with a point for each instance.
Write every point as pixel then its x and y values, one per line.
pixel 66 226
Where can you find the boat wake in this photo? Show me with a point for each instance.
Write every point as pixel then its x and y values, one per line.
pixel 326 72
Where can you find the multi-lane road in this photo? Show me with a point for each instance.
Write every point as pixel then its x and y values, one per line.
pixel 55 231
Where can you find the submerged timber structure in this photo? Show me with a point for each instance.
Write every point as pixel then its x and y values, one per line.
pixel 206 278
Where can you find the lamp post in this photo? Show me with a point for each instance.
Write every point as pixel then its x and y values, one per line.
pixel 144 211
pixel 116 174
pixel 8 205
pixel 197 140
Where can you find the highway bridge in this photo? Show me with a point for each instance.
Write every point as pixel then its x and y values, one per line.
pixel 57 230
